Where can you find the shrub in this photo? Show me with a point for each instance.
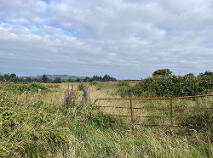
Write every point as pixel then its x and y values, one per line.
pixel 173 86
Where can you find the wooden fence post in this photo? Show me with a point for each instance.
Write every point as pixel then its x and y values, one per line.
pixel 87 95
pixel 70 97
pixel 171 112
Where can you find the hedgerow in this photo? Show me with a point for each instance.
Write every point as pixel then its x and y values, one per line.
pixel 170 86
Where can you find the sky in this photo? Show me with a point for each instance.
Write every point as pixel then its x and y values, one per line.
pixel 128 39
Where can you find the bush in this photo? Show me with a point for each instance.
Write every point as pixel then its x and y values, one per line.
pixel 171 86
pixel 162 72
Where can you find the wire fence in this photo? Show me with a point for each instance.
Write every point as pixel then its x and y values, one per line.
pixel 158 111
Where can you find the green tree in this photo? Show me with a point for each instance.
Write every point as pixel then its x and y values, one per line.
pixel 190 75
pixel 57 80
pixel 206 73
pixel 13 77
pixel 1 77
pixel 108 78
pixel 162 72
pixel 44 78
pixel 6 77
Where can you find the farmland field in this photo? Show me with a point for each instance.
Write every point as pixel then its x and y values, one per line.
pixel 35 123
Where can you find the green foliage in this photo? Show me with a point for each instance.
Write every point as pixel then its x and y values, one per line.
pixel 162 72
pixel 108 78
pixel 81 86
pixel 206 73
pixel 9 77
pixel 57 80
pixel 190 75
pixel 26 88
pixel 100 78
pixel 173 86
pixel 44 78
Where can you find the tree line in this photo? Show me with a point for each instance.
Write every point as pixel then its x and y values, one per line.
pixel 45 79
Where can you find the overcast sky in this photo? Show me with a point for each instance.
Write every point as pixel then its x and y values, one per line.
pixel 128 39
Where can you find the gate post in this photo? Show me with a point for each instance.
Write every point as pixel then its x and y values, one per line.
pixel 171 112
pixel 131 109
pixel 87 95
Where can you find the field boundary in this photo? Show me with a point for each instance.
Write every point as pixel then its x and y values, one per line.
pixel 171 109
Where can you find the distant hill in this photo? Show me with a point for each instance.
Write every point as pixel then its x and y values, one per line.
pixel 63 77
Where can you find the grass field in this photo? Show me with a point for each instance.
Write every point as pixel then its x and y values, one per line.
pixel 34 123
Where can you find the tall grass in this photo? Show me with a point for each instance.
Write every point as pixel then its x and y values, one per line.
pixel 43 128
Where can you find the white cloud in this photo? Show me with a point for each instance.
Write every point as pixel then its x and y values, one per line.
pixel 121 37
